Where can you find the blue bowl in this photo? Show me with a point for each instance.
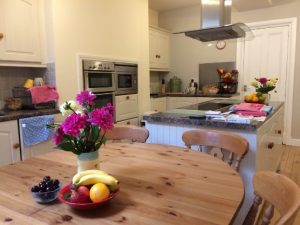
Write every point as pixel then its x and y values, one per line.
pixel 46 197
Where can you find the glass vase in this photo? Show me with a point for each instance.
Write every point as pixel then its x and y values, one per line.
pixel 267 98
pixel 88 161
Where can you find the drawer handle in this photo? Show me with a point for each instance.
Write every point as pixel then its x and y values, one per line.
pixel 128 123
pixel 17 145
pixel 270 145
pixel 127 97
pixel 1 35
pixel 278 132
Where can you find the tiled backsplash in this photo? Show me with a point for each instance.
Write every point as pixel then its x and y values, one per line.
pixel 16 76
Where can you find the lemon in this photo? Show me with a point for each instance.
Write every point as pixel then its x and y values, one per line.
pixel 99 192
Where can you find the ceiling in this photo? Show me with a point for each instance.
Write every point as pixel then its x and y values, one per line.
pixel 239 5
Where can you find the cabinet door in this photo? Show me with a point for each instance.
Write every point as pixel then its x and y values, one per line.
pixel 126 107
pixel 163 42
pixel 159 48
pixel 133 121
pixel 19 25
pixel 9 139
pixel 159 104
pixel 153 48
pixel 177 102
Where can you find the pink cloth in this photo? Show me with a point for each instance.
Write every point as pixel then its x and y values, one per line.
pixel 248 107
pixel 251 113
pixel 43 94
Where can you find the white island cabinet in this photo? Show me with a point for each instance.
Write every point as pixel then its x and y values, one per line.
pixel 9 139
pixel 265 142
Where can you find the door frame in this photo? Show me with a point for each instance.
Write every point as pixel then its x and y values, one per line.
pixel 291 23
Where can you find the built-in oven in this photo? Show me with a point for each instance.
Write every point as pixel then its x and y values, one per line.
pixel 98 76
pixel 126 78
pixel 103 98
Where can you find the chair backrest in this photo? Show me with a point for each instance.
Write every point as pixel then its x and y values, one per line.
pixel 127 132
pixel 279 192
pixel 235 144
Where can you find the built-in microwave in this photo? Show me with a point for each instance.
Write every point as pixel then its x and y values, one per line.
pixel 126 78
pixel 98 76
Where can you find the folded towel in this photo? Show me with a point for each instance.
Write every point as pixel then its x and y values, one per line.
pixel 248 107
pixel 43 94
pixel 34 129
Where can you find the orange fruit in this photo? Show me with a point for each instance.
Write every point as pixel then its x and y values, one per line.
pixel 255 99
pixel 99 192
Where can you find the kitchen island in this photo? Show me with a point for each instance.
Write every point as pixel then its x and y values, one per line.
pixel 265 139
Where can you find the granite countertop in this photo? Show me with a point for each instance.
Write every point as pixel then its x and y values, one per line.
pixel 192 95
pixel 186 120
pixel 14 115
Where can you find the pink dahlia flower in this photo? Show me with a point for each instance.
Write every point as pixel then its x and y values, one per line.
pixel 73 124
pixel 86 98
pixel 263 80
pixel 102 117
pixel 58 136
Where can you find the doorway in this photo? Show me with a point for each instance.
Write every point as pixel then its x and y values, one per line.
pixel 270 54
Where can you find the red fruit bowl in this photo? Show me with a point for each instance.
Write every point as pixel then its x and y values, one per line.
pixel 67 189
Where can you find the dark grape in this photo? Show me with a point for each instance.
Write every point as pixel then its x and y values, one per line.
pixel 42 183
pixel 56 182
pixel 49 183
pixel 35 188
pixel 46 178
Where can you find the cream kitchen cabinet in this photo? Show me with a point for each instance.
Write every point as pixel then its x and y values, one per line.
pixel 177 102
pixel 9 139
pixel 20 32
pixel 159 48
pixel 269 141
pixel 159 104
pixel 133 121
pixel 126 107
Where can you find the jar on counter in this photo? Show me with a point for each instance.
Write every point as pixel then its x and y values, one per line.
pixel 175 84
pixel 163 87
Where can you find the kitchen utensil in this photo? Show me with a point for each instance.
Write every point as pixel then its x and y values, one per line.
pixel 38 81
pixel 28 83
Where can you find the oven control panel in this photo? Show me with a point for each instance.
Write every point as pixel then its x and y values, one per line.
pixel 98 65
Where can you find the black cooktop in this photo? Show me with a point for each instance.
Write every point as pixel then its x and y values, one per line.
pixel 209 106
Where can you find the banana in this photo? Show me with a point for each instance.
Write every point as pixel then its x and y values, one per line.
pixel 79 175
pixel 90 179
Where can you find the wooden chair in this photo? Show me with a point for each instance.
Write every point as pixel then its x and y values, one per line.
pixel 236 145
pixel 127 132
pixel 278 192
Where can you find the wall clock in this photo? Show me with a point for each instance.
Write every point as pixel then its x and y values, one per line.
pixel 221 45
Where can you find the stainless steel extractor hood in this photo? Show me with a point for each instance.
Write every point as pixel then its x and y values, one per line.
pixel 215 22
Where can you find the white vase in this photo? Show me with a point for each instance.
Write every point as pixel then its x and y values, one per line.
pixel 88 161
pixel 267 98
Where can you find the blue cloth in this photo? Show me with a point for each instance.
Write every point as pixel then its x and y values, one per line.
pixel 34 129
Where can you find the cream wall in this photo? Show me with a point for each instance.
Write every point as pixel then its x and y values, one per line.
pixel 113 29
pixel 188 53
pixel 283 11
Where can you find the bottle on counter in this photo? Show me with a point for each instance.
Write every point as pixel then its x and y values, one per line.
pixel 163 87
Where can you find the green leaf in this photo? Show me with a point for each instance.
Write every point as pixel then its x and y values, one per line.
pixel 67 195
pixel 66 146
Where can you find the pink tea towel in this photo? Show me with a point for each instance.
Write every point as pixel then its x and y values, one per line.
pixel 43 94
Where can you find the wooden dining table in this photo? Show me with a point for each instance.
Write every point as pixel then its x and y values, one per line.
pixel 159 185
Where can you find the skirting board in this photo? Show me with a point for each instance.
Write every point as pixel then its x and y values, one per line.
pixel 293 142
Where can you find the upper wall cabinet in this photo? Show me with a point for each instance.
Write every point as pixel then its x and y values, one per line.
pixel 20 31
pixel 159 47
